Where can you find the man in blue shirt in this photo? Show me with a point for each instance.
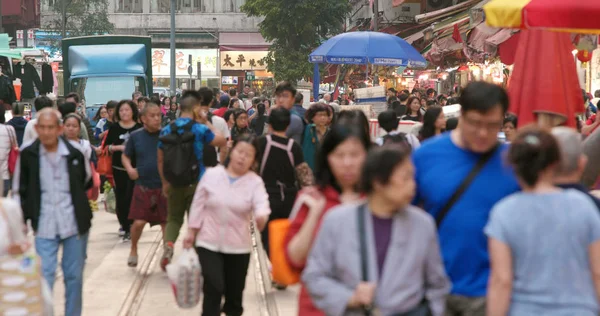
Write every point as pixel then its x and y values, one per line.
pixel 442 164
pixel 179 199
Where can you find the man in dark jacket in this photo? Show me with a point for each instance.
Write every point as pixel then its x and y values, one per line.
pixel 51 179
pixel 18 122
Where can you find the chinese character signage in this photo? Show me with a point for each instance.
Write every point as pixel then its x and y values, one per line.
pixel 241 60
pixel 161 61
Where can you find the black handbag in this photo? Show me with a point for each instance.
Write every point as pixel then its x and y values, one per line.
pixel 420 310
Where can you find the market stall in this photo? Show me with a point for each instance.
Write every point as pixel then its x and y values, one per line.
pixel 364 48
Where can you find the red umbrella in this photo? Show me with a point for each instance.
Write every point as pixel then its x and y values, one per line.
pixel 544 80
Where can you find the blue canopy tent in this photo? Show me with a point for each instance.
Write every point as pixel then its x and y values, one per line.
pixel 364 48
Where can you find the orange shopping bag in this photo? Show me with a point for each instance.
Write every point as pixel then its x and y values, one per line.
pixel 283 272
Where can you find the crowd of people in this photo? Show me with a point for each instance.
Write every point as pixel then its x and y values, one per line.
pixel 444 221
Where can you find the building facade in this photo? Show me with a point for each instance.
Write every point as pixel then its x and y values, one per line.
pixel 201 26
pixel 19 15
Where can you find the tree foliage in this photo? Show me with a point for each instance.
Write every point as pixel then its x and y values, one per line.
pixel 295 28
pixel 81 18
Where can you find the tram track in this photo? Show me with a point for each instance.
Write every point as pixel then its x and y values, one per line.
pixel 136 293
pixel 132 302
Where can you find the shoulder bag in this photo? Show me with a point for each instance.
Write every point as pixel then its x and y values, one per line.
pixel 422 309
pixel 13 155
pixel 462 188
pixel 104 159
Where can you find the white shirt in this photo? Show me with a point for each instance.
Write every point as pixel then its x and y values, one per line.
pixel 220 124
pixel 8 140
pixel 30 133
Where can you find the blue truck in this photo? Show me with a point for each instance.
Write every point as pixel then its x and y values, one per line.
pixel 107 67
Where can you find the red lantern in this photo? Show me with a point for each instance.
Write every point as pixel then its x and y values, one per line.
pixel 584 57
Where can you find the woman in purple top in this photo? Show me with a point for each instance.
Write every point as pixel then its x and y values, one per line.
pixel 400 271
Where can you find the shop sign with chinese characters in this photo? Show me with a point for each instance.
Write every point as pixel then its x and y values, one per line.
pixel 240 60
pixel 161 62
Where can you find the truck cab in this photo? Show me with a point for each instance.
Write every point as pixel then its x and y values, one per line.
pixel 107 67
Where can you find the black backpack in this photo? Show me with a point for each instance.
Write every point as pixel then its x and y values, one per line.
pixel 180 164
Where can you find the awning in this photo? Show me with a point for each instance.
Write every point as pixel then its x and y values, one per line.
pixel 439 14
pixel 415 37
pixel 480 34
pixel 242 42
pixel 504 44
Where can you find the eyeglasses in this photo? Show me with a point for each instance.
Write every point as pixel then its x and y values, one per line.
pixel 477 125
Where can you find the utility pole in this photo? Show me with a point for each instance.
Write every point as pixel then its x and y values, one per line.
pixel 376 16
pixel 375 29
pixel 173 69
pixel 63 11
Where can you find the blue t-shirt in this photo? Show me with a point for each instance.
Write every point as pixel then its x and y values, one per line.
pixel 204 136
pixel 139 148
pixel 549 236
pixel 441 166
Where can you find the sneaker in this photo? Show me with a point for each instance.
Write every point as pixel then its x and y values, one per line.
pixel 126 237
pixel 167 256
pixel 121 232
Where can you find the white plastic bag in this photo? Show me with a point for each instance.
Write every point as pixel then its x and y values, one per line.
pixel 186 279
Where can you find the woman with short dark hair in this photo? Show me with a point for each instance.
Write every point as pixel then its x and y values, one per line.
pixel 318 117
pixel 397 267
pixel 126 117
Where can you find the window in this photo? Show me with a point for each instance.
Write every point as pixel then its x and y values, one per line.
pixel 129 6
pixel 199 6
pixel 160 6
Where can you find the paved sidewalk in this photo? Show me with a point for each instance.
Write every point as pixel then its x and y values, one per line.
pixel 158 296
pixel 108 279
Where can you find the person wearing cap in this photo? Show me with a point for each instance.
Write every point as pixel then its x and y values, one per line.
pixel 224 104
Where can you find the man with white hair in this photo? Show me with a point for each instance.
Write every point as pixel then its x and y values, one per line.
pixel 573 161
pixel 50 182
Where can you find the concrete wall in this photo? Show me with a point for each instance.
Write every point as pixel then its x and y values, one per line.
pixel 404 13
pixel 146 22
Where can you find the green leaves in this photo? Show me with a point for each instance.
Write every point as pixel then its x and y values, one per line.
pixel 295 28
pixel 81 18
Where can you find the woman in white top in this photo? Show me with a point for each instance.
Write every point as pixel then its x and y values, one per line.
pixel 8 140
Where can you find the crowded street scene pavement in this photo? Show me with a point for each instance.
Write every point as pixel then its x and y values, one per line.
pixel 311 158
pixel 147 291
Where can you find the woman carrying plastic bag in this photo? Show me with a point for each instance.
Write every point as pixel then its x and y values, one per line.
pixel 224 203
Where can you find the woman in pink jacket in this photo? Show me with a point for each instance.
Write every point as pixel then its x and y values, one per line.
pixel 224 203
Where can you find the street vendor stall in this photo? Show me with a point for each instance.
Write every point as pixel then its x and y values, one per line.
pixel 364 48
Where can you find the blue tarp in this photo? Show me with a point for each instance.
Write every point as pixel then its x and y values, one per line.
pixel 101 60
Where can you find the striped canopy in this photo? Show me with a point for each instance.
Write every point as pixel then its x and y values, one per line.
pixel 574 16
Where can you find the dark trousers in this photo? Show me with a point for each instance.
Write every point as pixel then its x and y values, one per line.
pixel 123 193
pixel 280 208
pixel 224 275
